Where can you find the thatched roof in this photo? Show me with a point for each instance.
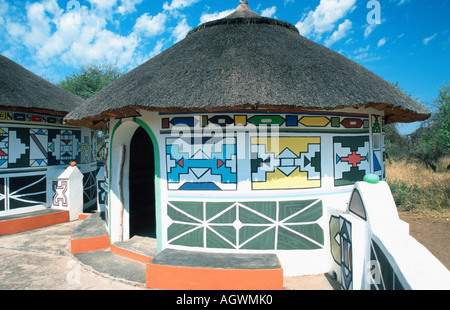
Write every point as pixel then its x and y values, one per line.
pixel 245 61
pixel 23 90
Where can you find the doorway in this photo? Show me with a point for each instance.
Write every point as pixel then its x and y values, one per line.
pixel 142 185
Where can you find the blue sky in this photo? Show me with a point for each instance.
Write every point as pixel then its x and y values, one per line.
pixel 407 42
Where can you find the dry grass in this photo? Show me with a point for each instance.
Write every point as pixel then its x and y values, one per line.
pixel 419 190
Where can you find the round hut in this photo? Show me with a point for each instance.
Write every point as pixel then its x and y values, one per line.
pixel 35 144
pixel 245 137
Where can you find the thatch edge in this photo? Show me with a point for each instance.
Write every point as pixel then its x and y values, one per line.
pixel 392 114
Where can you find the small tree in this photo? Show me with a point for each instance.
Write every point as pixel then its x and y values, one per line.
pixel 432 140
pixel 397 146
pixel 90 79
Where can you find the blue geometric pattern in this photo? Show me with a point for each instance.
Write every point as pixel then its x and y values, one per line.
pixel 202 163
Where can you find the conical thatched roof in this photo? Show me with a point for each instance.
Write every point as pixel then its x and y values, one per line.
pixel 251 62
pixel 22 90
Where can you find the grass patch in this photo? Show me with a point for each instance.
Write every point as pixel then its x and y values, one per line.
pixel 419 190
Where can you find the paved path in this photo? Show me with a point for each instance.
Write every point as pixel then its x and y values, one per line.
pixel 40 260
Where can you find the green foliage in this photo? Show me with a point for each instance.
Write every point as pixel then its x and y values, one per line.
pixel 433 139
pixel 90 79
pixel 431 200
pixel 397 146
pixel 430 142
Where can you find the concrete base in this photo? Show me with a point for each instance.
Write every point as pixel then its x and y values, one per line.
pixel 181 270
pixel 16 223
pixel 90 235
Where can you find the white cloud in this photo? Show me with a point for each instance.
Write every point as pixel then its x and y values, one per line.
pixel 16 29
pixel 324 17
pixel 427 40
pixel 340 33
pixel 76 37
pixel 4 8
pixel 108 47
pixel 39 22
pixel 157 49
pixel 150 25
pixel 206 17
pixel 88 33
pixel 178 4
pixel 128 6
pixel 181 30
pixel 369 29
pixel 103 4
pixel 362 50
pixel 269 12
pixel 381 42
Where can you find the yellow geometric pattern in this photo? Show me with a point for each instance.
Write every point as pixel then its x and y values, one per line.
pixel 286 163
pixel 314 121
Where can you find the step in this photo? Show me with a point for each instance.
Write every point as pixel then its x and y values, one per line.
pixel 182 270
pixel 90 234
pixel 139 248
pixel 16 223
pixel 109 265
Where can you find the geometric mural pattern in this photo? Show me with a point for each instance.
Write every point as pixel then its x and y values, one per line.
pixel 89 188
pixel 351 156
pixel 378 146
pixel 204 163
pixel 301 120
pixel 22 191
pixel 60 189
pixel 345 241
pixel 385 278
pixel 285 163
pixel 37 147
pixel 64 146
pixel 335 239
pixel 30 118
pixel 252 225
pixel 4 137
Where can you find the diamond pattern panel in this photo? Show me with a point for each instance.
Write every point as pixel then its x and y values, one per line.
pixel 254 225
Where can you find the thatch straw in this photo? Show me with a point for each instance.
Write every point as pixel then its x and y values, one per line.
pixel 23 90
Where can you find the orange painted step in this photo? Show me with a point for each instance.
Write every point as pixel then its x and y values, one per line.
pixel 188 270
pixel 33 220
pixel 89 235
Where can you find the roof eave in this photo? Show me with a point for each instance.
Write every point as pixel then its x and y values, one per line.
pixel 392 114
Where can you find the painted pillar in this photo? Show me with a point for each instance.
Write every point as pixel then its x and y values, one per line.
pixel 65 188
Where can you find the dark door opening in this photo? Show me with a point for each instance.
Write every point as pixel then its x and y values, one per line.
pixel 142 185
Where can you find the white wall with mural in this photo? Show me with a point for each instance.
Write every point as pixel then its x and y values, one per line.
pixel 248 181
pixel 33 146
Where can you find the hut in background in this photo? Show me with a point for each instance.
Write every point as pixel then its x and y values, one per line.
pixel 36 144
pixel 245 137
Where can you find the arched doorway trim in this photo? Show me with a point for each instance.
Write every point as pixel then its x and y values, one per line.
pixel 157 178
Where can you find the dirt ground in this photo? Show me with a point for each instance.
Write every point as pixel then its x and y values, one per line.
pixel 433 233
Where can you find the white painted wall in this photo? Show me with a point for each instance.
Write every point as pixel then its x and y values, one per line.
pixel 294 262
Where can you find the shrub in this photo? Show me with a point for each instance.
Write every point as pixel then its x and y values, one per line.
pixel 419 190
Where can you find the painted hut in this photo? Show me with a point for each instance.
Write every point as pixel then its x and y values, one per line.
pixel 245 137
pixel 35 144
